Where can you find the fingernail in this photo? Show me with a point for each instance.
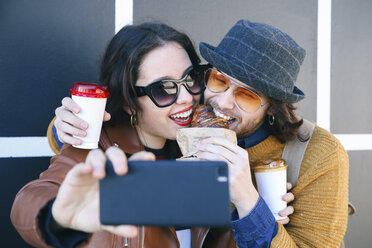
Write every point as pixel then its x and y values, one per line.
pixel 84 125
pixel 82 133
pixel 76 110
pixel 118 163
pixel 97 170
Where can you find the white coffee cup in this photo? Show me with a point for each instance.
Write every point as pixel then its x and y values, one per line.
pixel 271 180
pixel 91 99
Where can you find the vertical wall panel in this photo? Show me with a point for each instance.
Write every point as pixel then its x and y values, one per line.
pixel 351 66
pixel 14 174
pixel 209 21
pixel 351 103
pixel 45 46
pixel 359 227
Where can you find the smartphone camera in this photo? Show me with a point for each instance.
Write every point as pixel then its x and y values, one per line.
pixel 222 174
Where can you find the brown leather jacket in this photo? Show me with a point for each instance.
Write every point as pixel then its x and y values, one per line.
pixel 31 199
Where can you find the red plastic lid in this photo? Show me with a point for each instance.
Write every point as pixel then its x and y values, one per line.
pixel 89 90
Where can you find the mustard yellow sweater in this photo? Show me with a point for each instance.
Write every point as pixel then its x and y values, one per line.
pixel 321 193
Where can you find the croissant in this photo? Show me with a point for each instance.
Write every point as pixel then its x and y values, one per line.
pixel 204 117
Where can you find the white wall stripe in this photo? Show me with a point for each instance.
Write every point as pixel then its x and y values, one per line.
pixel 123 13
pixel 324 64
pixel 355 142
pixel 39 146
pixel 24 147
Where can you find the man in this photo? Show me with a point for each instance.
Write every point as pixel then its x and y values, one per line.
pixel 251 85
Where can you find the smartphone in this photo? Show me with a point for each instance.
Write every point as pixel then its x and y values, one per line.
pixel 166 193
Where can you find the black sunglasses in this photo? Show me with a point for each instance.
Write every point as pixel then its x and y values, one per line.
pixel 165 92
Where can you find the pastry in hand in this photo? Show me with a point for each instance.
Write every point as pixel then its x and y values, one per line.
pixel 204 117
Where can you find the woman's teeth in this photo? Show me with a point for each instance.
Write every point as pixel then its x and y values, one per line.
pixel 182 115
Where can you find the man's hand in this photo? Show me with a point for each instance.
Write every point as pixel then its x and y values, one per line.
pixel 289 197
pixel 77 202
pixel 242 191
pixel 243 194
pixel 68 124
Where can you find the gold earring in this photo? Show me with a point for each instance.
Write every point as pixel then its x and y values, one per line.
pixel 133 120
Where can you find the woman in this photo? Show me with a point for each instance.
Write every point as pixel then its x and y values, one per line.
pixel 139 62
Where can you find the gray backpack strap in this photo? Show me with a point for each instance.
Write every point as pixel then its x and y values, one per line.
pixel 294 151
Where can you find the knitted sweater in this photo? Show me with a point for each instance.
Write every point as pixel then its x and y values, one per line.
pixel 321 192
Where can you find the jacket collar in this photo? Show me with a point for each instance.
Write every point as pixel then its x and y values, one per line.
pixel 122 136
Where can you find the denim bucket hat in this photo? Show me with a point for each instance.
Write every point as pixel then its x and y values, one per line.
pixel 260 56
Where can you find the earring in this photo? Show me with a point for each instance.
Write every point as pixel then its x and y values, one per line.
pixel 271 120
pixel 133 120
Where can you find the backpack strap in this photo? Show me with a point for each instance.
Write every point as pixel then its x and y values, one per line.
pixel 293 154
pixel 294 151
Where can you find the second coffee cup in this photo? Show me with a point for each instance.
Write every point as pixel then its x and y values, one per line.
pixel 271 180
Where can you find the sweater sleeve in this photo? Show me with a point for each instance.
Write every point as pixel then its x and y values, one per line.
pixel 321 197
pixel 53 140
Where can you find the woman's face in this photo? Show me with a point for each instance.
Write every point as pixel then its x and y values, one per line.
pixel 155 124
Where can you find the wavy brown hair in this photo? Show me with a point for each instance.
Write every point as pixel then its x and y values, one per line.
pixel 286 123
pixel 123 57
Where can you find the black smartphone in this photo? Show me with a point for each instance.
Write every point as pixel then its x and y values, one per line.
pixel 166 193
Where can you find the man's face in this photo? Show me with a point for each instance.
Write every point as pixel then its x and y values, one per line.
pixel 225 105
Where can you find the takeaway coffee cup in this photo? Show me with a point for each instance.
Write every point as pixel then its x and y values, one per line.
pixel 271 180
pixel 91 99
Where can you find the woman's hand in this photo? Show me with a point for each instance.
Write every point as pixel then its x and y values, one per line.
pixel 77 202
pixel 68 124
pixel 289 197
pixel 242 191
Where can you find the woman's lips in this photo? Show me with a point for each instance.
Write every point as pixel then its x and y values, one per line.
pixel 182 118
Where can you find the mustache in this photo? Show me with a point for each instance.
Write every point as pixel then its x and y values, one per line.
pixel 214 105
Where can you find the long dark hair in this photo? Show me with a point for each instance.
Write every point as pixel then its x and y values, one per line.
pixel 123 56
pixel 286 123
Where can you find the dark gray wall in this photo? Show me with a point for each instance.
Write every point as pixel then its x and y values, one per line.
pixel 45 46
pixel 351 103
pixel 209 20
pixel 359 232
pixel 351 66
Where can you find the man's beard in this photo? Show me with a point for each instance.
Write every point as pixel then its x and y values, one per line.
pixel 245 132
pixel 250 127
